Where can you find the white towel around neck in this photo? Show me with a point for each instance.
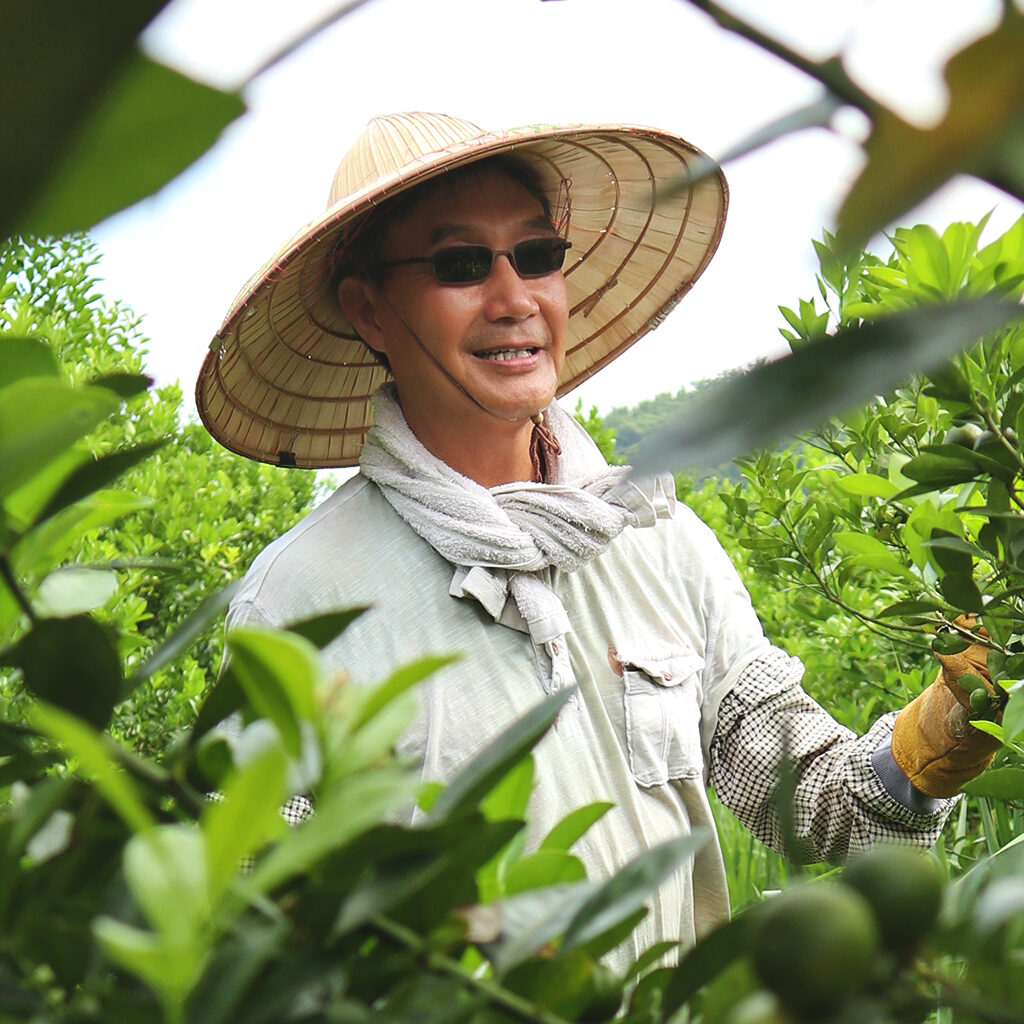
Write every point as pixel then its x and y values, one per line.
pixel 502 539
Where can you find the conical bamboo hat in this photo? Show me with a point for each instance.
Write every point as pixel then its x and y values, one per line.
pixel 287 379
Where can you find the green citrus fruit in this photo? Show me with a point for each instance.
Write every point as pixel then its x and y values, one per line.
pixel 965 435
pixel 815 947
pixel 759 1007
pixel 903 885
pixel 980 701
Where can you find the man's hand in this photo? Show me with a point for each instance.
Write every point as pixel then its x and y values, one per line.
pixel 933 741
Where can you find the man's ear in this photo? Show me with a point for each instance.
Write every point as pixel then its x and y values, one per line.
pixel 359 299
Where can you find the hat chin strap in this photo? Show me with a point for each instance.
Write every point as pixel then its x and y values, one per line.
pixel 544 445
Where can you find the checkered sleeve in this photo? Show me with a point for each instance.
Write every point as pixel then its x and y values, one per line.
pixel 849 793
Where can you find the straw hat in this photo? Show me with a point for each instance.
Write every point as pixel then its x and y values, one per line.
pixel 287 379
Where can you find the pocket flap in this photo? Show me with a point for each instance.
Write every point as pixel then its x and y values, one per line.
pixel 666 669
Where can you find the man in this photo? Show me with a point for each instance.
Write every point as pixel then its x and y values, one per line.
pixel 484 274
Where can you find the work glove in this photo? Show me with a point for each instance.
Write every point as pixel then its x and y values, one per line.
pixel 933 741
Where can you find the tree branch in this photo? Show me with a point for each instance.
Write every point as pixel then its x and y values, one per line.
pixel 489 990
pixel 301 40
pixel 830 73
pixel 7 574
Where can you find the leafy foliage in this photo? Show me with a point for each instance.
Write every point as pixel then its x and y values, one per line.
pixel 215 511
pixel 126 895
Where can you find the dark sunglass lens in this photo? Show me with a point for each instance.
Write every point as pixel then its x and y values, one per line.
pixel 540 256
pixel 462 264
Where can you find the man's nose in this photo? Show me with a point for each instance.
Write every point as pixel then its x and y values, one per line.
pixel 508 295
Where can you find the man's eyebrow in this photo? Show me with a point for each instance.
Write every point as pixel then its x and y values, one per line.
pixel 442 232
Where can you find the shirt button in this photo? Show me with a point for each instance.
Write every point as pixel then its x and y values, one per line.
pixel 667 677
pixel 554 646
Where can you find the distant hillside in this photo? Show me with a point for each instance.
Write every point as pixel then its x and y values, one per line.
pixel 633 423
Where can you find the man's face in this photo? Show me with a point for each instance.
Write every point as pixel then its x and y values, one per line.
pixel 502 339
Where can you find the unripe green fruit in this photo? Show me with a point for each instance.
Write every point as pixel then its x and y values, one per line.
pixel 964 435
pixel 759 1007
pixel 815 947
pixel 980 701
pixel 903 886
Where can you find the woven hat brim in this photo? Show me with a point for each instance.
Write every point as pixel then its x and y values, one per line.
pixel 288 381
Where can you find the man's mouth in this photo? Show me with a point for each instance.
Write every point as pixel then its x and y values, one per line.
pixel 501 354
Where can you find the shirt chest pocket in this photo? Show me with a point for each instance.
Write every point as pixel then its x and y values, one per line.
pixel 662 697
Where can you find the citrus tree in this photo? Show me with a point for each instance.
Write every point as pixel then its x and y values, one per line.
pixel 138 889
pixel 199 515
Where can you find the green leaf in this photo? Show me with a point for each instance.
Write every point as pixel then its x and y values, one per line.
pixel 320 630
pixel 280 674
pixel 510 797
pixel 960 590
pixel 151 124
pixel 909 609
pixel 55 65
pixel 94 763
pixel 246 816
pixel 344 811
pixel 169 971
pixel 543 868
pixel 867 485
pixel 74 590
pixel 649 957
pixel 24 357
pixel 496 759
pixel 949 643
pixel 124 385
pixel 166 871
pixel 1013 715
pixel 705 961
pixel 883 563
pixel 209 611
pixel 39 420
pixel 627 891
pixel 94 475
pixel 232 972
pixel 401 680
pixel 53 539
pixel 991 728
pixel 563 986
pixel 862 544
pixel 978 135
pixel 998 784
pixel 224 698
pixel 574 826
pixel 939 471
pixel 531 919
pixel 821 378
pixel 72 663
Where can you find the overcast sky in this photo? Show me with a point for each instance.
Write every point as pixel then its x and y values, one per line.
pixel 179 258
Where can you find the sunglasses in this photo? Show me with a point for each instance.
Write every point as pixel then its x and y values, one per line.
pixel 470 264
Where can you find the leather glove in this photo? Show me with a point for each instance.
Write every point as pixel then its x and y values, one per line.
pixel 933 741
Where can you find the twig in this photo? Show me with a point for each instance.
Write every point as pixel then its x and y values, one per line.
pixel 7 573
pixel 301 40
pixel 950 996
pixel 489 990
pixel 829 72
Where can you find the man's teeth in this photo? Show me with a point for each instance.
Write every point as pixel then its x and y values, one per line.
pixel 506 353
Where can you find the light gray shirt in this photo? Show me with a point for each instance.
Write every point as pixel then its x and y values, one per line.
pixel 677 687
